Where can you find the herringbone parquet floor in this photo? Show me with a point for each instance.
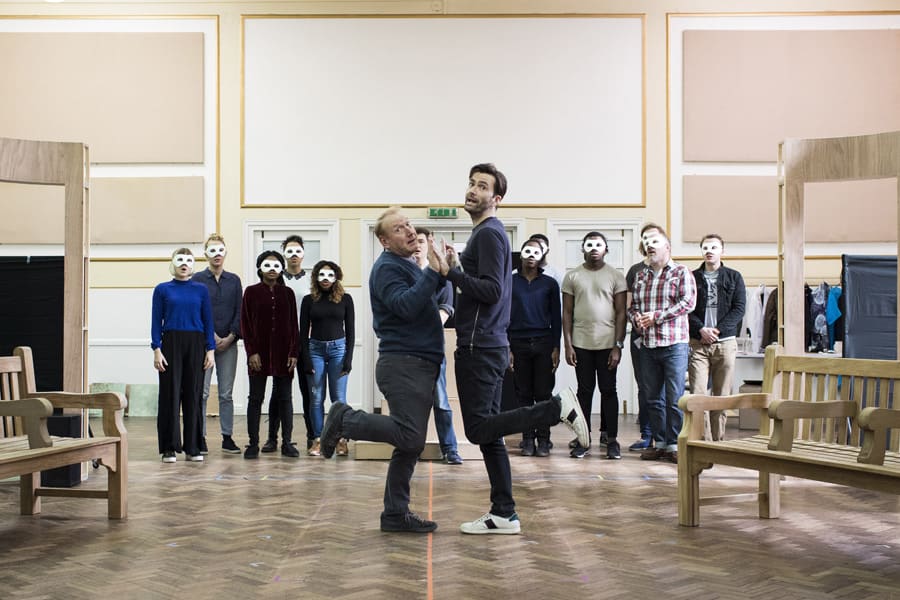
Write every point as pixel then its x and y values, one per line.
pixel 308 528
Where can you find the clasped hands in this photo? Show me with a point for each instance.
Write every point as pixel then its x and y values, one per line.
pixel 442 258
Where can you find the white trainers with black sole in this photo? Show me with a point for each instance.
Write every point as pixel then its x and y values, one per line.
pixel 570 414
pixel 489 524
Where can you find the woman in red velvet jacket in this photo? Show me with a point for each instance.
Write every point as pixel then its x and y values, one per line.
pixel 270 333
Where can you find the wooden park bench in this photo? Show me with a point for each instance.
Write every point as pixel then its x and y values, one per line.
pixel 823 418
pixel 26 447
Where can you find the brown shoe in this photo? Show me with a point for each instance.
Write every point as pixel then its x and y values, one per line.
pixel 672 457
pixel 315 450
pixel 342 448
pixel 653 454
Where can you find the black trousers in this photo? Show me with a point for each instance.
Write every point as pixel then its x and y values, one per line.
pixel 281 400
pixel 593 366
pixel 275 417
pixel 533 376
pixel 181 387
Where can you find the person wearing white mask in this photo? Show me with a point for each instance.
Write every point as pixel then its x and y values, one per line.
pixel 327 335
pixel 182 338
pixel 271 340
pixel 225 292
pixel 663 296
pixel 714 324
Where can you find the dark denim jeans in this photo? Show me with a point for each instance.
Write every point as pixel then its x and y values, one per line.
pixel 479 379
pixel 664 371
pixel 407 383
pixel 643 413
pixel 533 375
pixel 594 365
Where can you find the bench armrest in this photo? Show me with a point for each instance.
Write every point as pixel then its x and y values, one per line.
pixel 34 413
pixel 112 403
pixel 694 405
pixel 786 412
pixel 875 423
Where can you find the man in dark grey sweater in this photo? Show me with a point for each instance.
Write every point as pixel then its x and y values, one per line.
pixel 410 351
pixel 482 354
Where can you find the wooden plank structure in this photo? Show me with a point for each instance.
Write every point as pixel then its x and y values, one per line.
pixel 66 164
pixel 802 161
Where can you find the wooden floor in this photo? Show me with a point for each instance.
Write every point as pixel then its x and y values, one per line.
pixel 308 528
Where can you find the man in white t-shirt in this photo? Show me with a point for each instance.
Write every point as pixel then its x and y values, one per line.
pixel 593 323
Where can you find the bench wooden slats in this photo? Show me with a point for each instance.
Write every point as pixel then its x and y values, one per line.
pixel 26 448
pixel 824 418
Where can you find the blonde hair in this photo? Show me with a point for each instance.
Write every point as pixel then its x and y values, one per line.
pixel 213 237
pixel 380 223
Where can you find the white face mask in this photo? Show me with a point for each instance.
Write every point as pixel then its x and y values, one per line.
pixel 215 250
pixel 326 275
pixel 293 251
pixel 270 265
pixel 592 244
pixel 653 240
pixel 532 252
pixel 183 259
pixel 713 247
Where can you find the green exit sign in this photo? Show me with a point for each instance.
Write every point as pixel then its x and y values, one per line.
pixel 441 213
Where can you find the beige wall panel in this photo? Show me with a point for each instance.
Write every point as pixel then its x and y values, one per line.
pixel 745 209
pixel 164 210
pixel 32 214
pixel 739 208
pixel 133 97
pixel 745 91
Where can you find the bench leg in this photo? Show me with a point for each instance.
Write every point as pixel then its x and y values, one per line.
pixel 769 495
pixel 688 489
pixel 29 501
pixel 117 499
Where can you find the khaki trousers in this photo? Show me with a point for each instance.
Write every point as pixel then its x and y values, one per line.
pixel 715 360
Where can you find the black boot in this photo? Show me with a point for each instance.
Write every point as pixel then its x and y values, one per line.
pixel 543 448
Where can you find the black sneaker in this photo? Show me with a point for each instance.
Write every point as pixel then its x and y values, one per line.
pixel 579 451
pixel 252 451
pixel 270 446
pixel 528 447
pixel 289 450
pixel 332 430
pixel 203 447
pixel 229 446
pixel 543 448
pixel 613 451
pixel 604 439
pixel 408 523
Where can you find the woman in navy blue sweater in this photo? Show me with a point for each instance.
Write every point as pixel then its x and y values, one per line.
pixel 535 324
pixel 181 335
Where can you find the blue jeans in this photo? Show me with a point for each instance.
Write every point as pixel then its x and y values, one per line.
pixel 443 414
pixel 226 366
pixel 663 370
pixel 407 383
pixel 328 363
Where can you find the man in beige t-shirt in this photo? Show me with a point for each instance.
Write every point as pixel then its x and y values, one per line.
pixel 593 323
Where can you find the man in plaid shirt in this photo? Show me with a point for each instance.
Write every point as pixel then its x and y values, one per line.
pixel 664 294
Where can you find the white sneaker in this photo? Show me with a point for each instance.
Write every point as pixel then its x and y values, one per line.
pixel 168 457
pixel 570 414
pixel 492 524
pixel 195 458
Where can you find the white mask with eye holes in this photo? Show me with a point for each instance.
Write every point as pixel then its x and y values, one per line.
pixel 326 275
pixel 270 265
pixel 292 251
pixel 183 259
pixel 215 250
pixel 531 252
pixel 654 241
pixel 712 247
pixel 592 244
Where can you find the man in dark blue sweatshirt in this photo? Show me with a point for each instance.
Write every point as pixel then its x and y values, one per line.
pixel 482 353
pixel 410 351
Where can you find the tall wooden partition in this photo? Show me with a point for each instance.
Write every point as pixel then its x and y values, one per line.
pixel 66 164
pixel 822 160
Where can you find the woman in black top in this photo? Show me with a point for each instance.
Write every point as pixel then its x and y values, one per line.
pixel 326 342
